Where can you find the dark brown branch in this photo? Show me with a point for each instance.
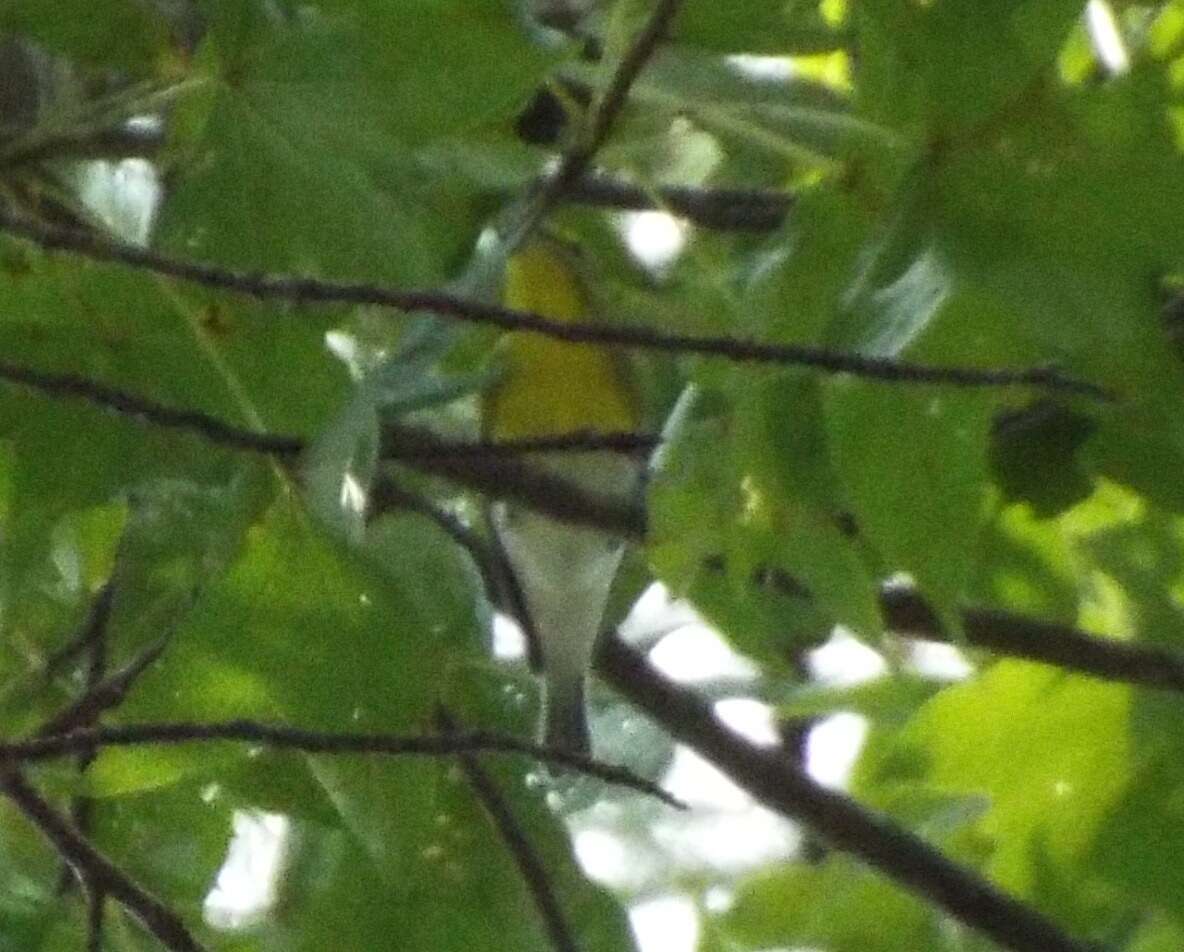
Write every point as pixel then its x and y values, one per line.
pixel 720 209
pixel 478 466
pixel 617 91
pixel 130 140
pixel 398 443
pixel 770 776
pixel 493 469
pixel 96 905
pixel 319 742
pixel 95 869
pixel 578 158
pixel 311 290
pixel 103 694
pixel 208 427
pixel 530 865
pixel 1046 642
pixel 92 630
pixel 552 495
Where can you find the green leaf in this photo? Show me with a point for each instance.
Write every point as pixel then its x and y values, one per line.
pixel 755 26
pixel 793 118
pixel 795 518
pixel 121 34
pixel 913 466
pixel 939 63
pixel 733 563
pixel 1049 750
pixel 306 129
pixel 835 906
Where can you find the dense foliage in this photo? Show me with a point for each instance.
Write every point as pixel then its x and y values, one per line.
pixel 916 369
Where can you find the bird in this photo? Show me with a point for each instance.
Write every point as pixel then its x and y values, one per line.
pixel 551 388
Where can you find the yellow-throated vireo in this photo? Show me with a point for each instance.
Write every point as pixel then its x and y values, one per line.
pixel 552 388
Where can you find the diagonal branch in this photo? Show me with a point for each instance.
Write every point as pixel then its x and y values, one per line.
pixel 95 869
pixel 772 778
pixel 577 159
pixel 283 737
pixel 104 694
pixel 311 290
pixel 530 865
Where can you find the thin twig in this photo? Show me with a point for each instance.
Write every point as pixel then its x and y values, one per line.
pixel 95 869
pixel 773 779
pixel 578 158
pixel 319 742
pixel 102 695
pixel 312 290
pixel 210 428
pixel 553 495
pixel 478 466
pixel 530 865
pixel 96 905
pixel 720 209
pixel 97 617
pixel 398 443
pixel 1046 642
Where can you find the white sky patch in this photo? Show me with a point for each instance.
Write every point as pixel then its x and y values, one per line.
pixel 750 719
pixel 694 781
pixel 697 653
pixel 772 68
pixel 844 660
pixel 942 662
pixel 665 924
pixel 654 238
pixel 1106 37
pixel 833 748
pixel 245 889
pixel 125 194
pixel 655 611
pixel 509 643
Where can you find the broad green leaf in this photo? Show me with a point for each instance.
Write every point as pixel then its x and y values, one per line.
pixel 804 123
pixel 890 699
pixel 941 63
pixel 1050 752
pixel 913 467
pixel 794 514
pixel 306 129
pixel 123 34
pixel 707 544
pixel 1145 558
pixel 1025 564
pixel 800 279
pixel 835 906
pixel 774 27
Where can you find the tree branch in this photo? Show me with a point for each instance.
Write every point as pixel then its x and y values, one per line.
pixel 534 871
pixel 319 742
pixel 398 443
pixel 494 469
pixel 1046 642
pixel 577 159
pixel 210 428
pixel 312 290
pixel 93 629
pixel 95 869
pixel 103 694
pixel 720 209
pixel 769 776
